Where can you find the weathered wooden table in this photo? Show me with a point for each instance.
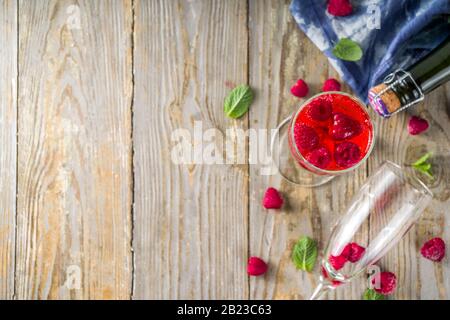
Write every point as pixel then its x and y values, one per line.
pixel 91 205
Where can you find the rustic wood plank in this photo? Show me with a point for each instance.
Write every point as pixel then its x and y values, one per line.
pixel 74 150
pixel 190 234
pixel 417 277
pixel 280 54
pixel 191 231
pixel 8 153
pixel 434 278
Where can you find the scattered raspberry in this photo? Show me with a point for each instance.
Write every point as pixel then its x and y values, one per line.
pixel 417 125
pixel 335 283
pixel 337 262
pixel 346 154
pixel 346 252
pixel 354 252
pixel 339 8
pixel 388 282
pixel 331 85
pixel 305 137
pixel 324 273
pixel 320 157
pixel 256 266
pixel 272 199
pixel 300 89
pixel 433 249
pixel 344 127
pixel 320 109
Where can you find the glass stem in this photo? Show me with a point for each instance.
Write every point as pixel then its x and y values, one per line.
pixel 320 291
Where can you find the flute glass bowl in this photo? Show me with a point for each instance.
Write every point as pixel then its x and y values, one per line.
pixel 390 202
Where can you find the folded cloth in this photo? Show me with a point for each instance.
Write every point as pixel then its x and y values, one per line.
pixel 392 34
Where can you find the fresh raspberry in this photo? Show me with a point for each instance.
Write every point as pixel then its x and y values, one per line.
pixel 320 157
pixel 272 199
pixel 324 273
pixel 347 154
pixel 339 8
pixel 300 89
pixel 417 125
pixel 354 252
pixel 320 109
pixel 344 127
pixel 388 282
pixel 433 249
pixel 347 251
pixel 305 137
pixel 337 262
pixel 256 266
pixel 331 85
pixel 335 283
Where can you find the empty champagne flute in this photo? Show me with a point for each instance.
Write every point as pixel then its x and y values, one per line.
pixel 380 214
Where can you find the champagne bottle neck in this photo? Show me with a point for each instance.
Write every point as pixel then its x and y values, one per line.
pixel 404 88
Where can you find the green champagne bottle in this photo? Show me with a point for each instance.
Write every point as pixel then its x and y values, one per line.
pixel 404 88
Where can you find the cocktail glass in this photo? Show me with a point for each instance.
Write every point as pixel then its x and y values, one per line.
pixel 294 164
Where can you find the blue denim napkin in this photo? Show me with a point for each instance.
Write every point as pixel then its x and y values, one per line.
pixel 392 34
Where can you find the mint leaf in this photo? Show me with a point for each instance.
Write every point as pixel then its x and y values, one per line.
pixel 304 254
pixel 423 166
pixel 238 101
pixel 427 173
pixel 347 50
pixel 371 294
pixel 422 159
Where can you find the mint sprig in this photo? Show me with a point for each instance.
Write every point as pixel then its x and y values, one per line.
pixel 371 294
pixel 347 50
pixel 238 101
pixel 304 254
pixel 422 165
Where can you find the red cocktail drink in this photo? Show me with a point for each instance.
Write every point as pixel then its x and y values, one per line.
pixel 331 133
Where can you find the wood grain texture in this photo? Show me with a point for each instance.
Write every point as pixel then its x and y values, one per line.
pixel 279 55
pixel 8 152
pixel 190 236
pixel 97 79
pixel 74 150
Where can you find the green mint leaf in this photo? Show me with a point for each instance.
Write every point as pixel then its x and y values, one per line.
pixel 304 254
pixel 423 166
pixel 422 159
pixel 347 50
pixel 428 173
pixel 371 294
pixel 425 171
pixel 238 101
